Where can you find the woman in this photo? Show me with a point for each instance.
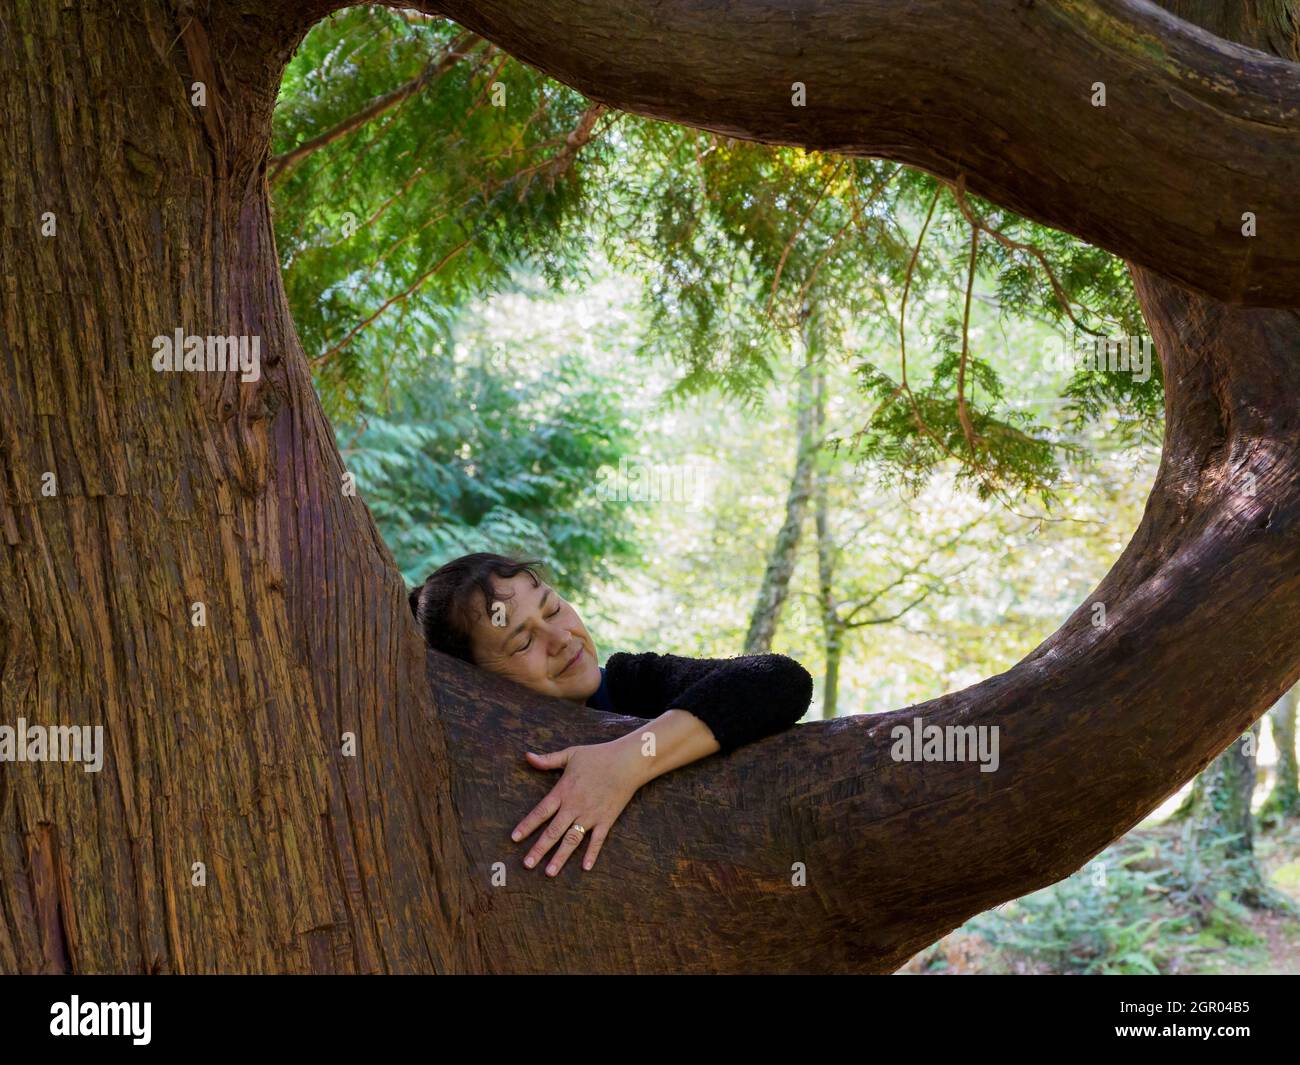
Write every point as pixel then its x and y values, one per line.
pixel 497 613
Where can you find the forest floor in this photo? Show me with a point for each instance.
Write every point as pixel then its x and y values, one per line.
pixel 1137 920
pixel 1279 933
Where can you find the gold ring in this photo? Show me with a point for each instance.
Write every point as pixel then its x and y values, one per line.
pixel 579 828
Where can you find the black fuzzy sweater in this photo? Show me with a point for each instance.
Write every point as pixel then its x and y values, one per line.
pixel 739 699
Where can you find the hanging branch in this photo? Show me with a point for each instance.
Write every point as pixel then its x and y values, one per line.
pixel 902 333
pixel 789 244
pixel 981 469
pixel 457 50
pixel 580 136
pixel 330 352
pixel 963 414
pixel 958 188
pixel 855 217
pixel 558 165
pixel 419 170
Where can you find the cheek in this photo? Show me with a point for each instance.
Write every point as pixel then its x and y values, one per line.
pixel 537 659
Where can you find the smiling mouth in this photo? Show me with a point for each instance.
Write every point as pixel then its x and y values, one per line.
pixel 572 660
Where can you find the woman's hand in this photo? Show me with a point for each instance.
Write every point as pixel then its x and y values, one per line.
pixel 598 781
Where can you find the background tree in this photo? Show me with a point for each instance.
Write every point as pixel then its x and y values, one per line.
pixel 1283 800
pixel 1219 832
pixel 775 586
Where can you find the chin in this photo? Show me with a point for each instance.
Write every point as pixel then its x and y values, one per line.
pixel 585 679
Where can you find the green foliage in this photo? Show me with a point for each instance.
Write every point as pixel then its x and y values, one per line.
pixel 475 460
pixel 741 240
pixel 1081 926
pixel 391 230
pixel 386 233
pixel 1006 452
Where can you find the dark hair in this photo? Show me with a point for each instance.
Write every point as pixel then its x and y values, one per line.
pixel 444 604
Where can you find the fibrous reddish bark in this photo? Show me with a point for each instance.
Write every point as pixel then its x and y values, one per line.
pixel 225 740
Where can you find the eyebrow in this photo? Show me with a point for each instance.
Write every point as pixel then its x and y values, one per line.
pixel 520 627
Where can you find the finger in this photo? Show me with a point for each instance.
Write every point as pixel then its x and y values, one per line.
pixel 558 826
pixel 567 846
pixel 593 848
pixel 539 813
pixel 554 760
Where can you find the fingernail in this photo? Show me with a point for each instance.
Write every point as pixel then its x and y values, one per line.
pixel 550 870
pixel 586 865
pixel 528 862
pixel 514 836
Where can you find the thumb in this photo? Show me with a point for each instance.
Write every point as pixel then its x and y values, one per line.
pixel 555 760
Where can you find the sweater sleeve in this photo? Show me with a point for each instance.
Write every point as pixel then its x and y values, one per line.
pixel 739 699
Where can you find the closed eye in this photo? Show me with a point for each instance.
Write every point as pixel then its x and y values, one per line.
pixel 530 639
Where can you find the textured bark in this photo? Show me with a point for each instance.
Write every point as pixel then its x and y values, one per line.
pixel 224 741
pixel 174 488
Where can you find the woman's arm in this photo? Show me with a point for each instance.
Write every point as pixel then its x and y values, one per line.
pixel 600 779
pixel 674 739
pixel 724 703
pixel 739 699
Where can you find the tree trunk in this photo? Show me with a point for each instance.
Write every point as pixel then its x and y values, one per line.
pixel 785 549
pixel 223 740
pixel 1190 801
pixel 811 851
pixel 1284 800
pixel 833 629
pixel 1218 839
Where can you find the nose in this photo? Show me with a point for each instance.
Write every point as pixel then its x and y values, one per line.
pixel 563 642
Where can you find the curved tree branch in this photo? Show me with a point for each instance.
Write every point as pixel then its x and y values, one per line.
pixel 1196 131
pixel 1096 727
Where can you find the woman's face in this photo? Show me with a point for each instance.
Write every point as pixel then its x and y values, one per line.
pixel 534 637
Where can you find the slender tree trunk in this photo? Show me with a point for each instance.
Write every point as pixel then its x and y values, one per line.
pixel 1283 801
pixel 832 627
pixel 349 794
pixel 831 681
pixel 775 588
pixel 1190 801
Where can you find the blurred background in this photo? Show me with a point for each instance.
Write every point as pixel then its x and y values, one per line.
pixel 743 398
